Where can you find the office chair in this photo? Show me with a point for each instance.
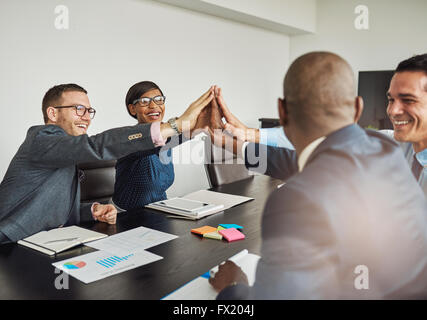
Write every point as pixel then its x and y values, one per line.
pixel 269 122
pixel 222 166
pixel 97 181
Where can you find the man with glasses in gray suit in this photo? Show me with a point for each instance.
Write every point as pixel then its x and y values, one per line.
pixel 41 188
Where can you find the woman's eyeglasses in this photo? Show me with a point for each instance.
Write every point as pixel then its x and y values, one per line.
pixel 145 101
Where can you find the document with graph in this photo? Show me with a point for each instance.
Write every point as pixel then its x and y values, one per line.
pixel 134 240
pixel 98 265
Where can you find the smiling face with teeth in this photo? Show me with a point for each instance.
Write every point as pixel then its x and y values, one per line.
pixel 407 108
pixel 67 118
pixel 150 113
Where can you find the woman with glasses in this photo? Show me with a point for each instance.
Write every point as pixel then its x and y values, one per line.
pixel 143 177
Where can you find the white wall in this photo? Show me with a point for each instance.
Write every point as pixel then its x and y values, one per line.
pixel 111 44
pixel 284 16
pixel 397 30
pixel 299 14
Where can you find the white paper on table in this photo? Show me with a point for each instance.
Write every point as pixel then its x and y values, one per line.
pixel 197 289
pixel 245 260
pixel 98 265
pixel 217 198
pixel 201 289
pixel 134 240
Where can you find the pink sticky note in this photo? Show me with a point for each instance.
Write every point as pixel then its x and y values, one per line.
pixel 232 234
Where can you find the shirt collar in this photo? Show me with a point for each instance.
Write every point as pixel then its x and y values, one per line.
pixel 422 157
pixel 308 150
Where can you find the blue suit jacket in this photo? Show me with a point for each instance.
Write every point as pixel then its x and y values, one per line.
pixel 355 206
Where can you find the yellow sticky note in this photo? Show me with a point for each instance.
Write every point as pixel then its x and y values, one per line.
pixel 213 235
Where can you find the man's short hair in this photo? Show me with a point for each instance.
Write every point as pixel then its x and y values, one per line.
pixel 415 63
pixel 54 94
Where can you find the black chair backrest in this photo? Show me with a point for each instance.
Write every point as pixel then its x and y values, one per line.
pixel 97 183
pixel 222 166
pixel 222 173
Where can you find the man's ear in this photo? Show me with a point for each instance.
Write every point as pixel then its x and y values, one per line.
pixel 52 114
pixel 358 106
pixel 283 112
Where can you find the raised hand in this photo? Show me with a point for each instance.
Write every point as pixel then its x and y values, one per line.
pixel 189 118
pixel 223 139
pixel 209 118
pixel 215 114
pixel 233 125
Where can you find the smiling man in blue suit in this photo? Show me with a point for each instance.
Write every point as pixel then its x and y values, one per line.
pixel 407 110
pixel 349 203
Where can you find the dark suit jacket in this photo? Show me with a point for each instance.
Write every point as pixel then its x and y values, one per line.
pixel 355 205
pixel 276 162
pixel 41 189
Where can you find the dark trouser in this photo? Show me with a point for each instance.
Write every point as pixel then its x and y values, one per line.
pixel 3 238
pixel 234 292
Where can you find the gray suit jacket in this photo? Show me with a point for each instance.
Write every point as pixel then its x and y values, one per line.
pixel 41 188
pixel 356 203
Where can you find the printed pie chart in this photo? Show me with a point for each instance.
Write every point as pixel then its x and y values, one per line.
pixel 74 264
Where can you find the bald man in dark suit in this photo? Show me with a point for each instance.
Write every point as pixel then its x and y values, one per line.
pixel 349 205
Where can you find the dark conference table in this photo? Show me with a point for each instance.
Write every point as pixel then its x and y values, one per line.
pixel 29 274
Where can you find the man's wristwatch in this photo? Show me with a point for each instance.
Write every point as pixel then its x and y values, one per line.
pixel 173 124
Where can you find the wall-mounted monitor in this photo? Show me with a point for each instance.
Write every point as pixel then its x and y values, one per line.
pixel 373 86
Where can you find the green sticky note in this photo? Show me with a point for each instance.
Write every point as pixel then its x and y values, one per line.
pixel 213 235
pixel 220 228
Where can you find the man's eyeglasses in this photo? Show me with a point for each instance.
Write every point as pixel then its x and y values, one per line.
pixel 145 101
pixel 80 110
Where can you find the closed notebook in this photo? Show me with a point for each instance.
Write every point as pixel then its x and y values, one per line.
pixel 60 239
pixel 186 208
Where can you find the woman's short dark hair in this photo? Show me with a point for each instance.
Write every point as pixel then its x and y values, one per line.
pixel 415 63
pixel 54 94
pixel 137 90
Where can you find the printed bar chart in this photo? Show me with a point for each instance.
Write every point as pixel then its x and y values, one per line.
pixel 111 262
pixel 98 265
